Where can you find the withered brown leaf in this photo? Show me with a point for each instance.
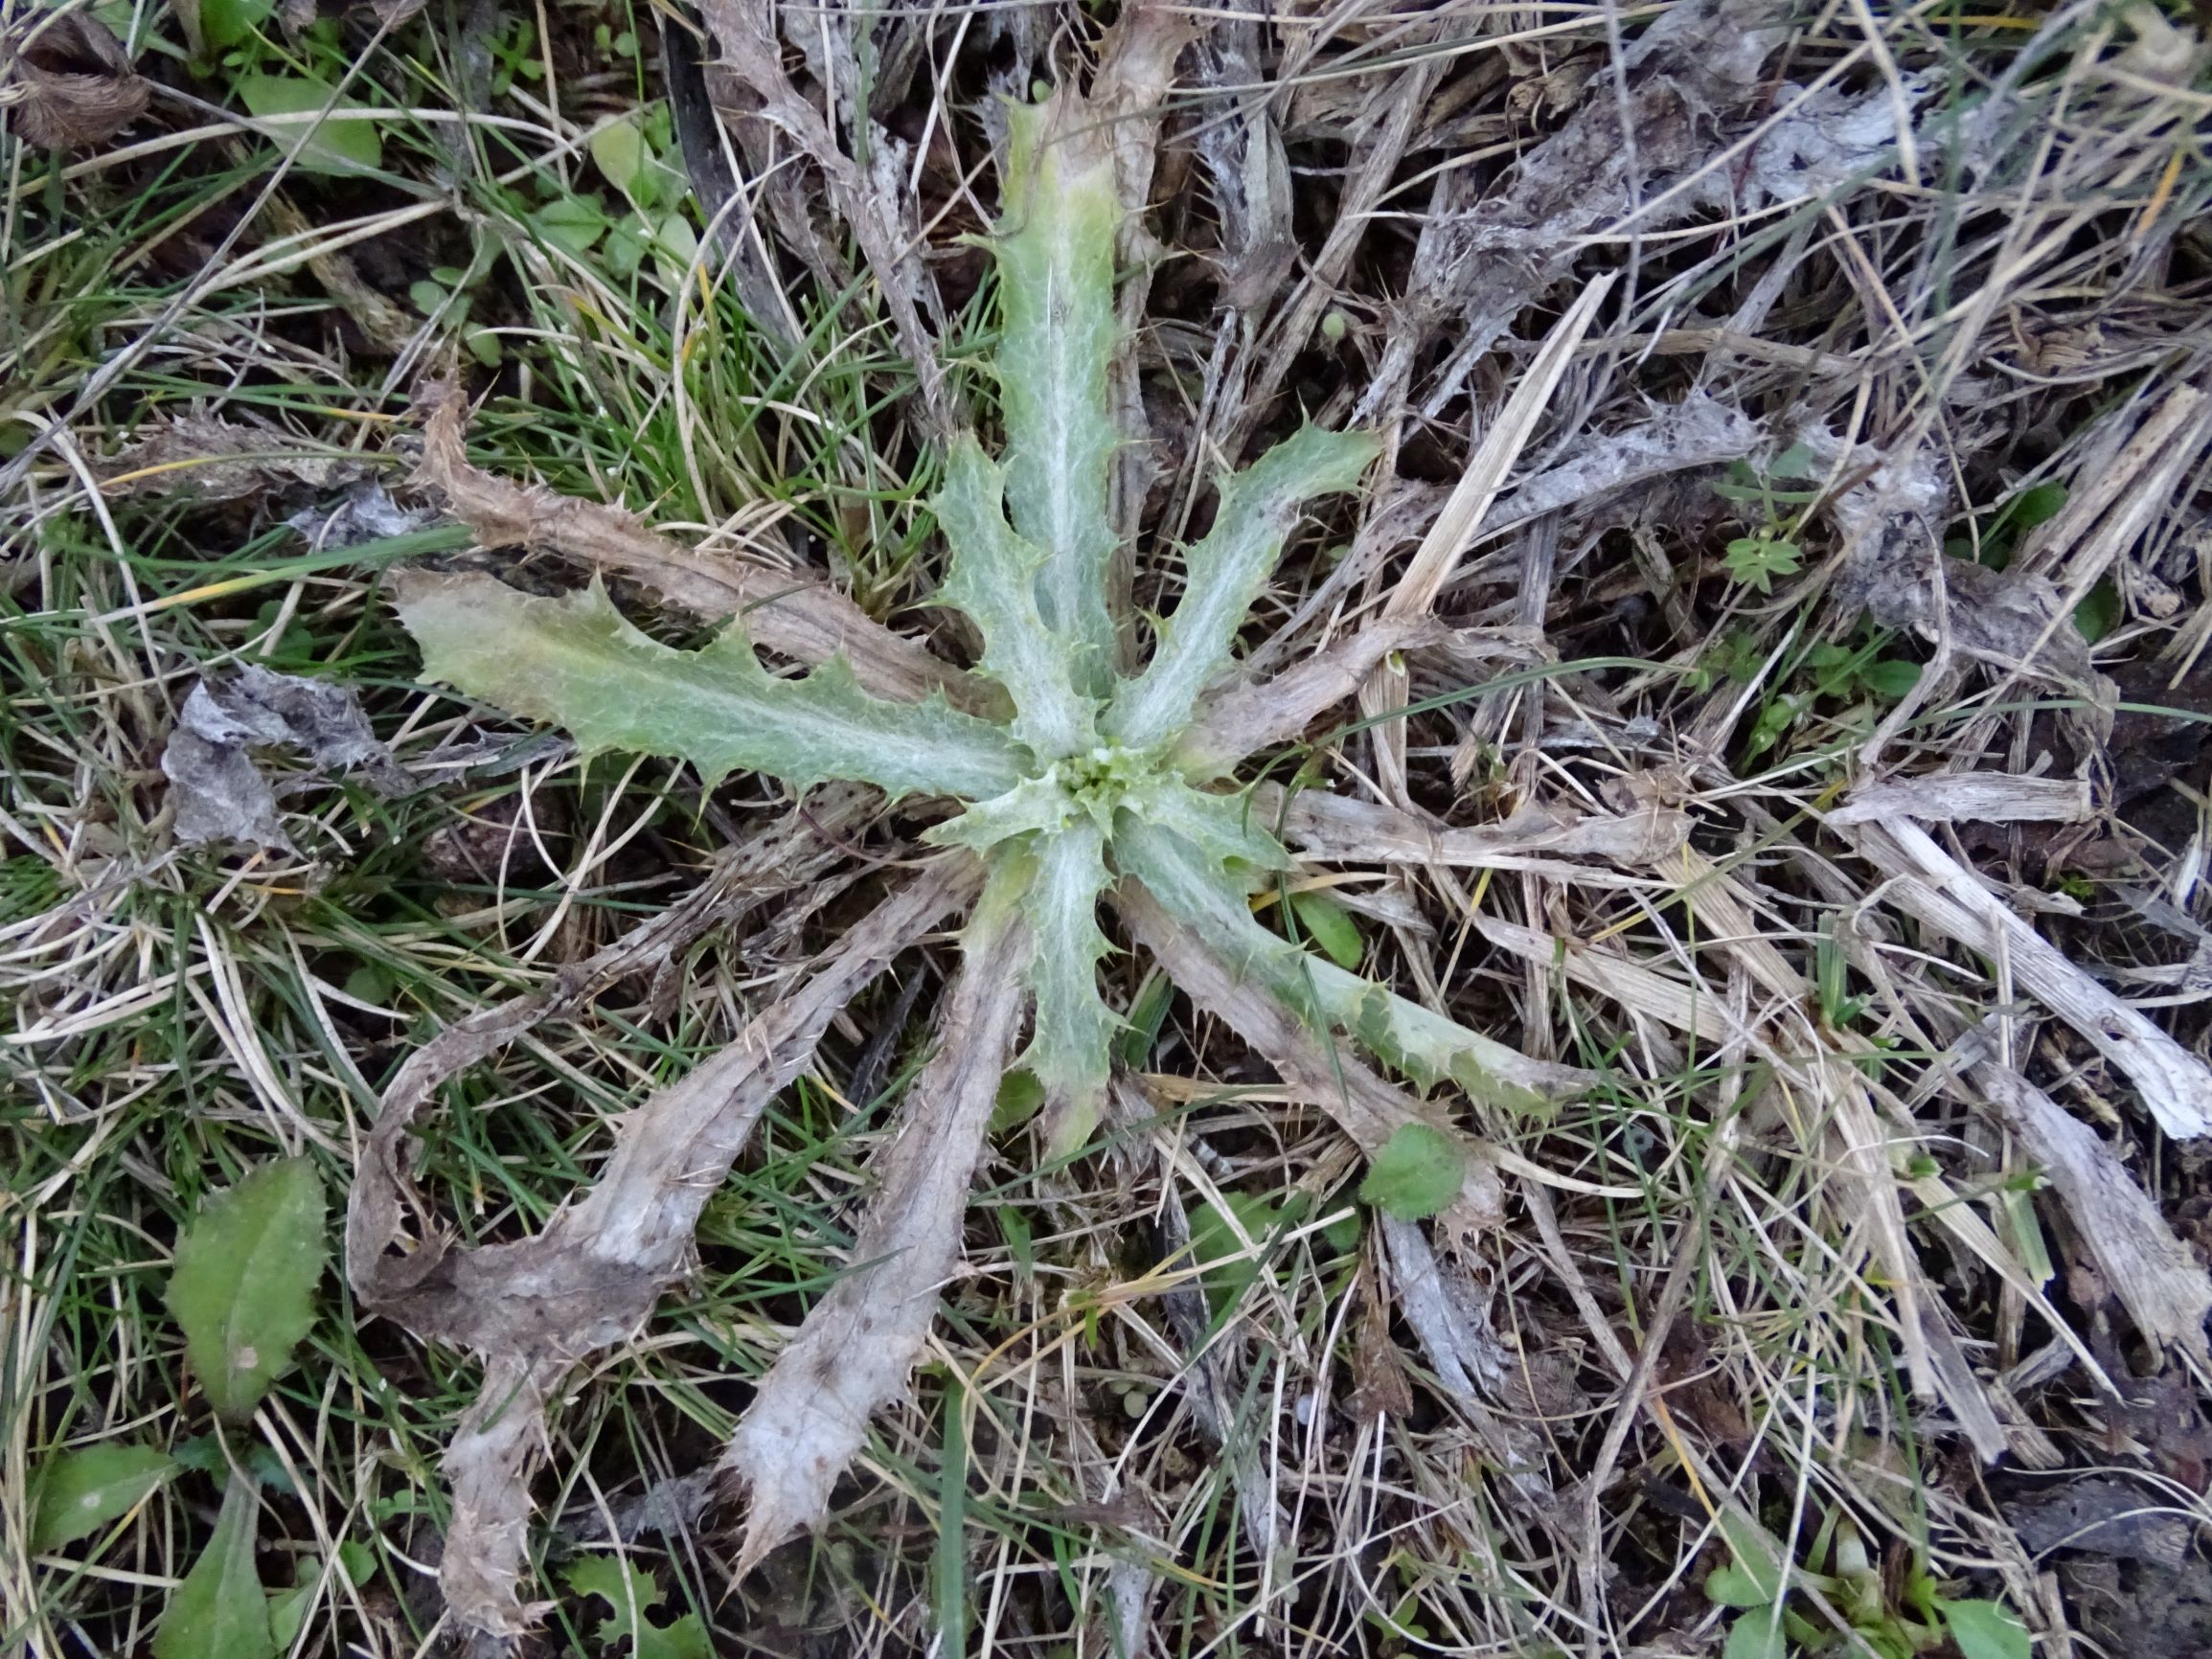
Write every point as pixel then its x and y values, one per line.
pixel 68 84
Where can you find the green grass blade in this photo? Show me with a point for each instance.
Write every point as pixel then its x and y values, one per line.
pixel 577 662
pixel 1056 253
pixel 1226 570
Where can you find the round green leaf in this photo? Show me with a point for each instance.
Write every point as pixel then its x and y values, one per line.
pixel 1417 1174
pixel 338 146
pixel 1985 1630
pixel 1330 925
pixel 619 153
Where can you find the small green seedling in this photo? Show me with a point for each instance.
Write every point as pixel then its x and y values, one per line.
pixel 633 1595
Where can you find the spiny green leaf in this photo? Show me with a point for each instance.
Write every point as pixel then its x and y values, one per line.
pixel 632 1594
pixel 1419 1171
pixel 1425 1046
pixel 219 1611
pixel 1985 1630
pixel 1034 807
pixel 245 1284
pixel 80 1491
pixel 1221 828
pixel 994 579
pixel 1330 925
pixel 341 147
pixel 1055 244
pixel 1227 571
pixel 577 662
pixel 1417 1042
pixel 1070 1050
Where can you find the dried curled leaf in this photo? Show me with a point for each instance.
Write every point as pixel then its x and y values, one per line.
pixel 861 1340
pixel 73 83
pixel 577 662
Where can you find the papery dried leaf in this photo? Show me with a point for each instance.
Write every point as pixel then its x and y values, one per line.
pixel 860 1341
pixel 577 662
pixel 73 84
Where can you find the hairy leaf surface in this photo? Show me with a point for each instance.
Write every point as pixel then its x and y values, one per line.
pixel 1069 1050
pixel 577 662
pixel 1226 570
pixel 1422 1045
pixel 994 579
pixel 1056 253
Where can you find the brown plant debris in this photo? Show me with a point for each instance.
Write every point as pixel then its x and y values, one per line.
pixel 66 83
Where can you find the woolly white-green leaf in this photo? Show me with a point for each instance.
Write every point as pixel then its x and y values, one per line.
pixel 1032 806
pixel 1224 574
pixel 1219 827
pixel 1069 1050
pixel 1415 1042
pixel 576 662
pixel 994 579
pixel 1056 248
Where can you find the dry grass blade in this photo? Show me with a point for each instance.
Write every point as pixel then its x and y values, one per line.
pixel 860 1342
pixel 1928 884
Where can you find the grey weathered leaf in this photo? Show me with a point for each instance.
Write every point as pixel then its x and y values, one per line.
pixel 245 1284
pixel 217 790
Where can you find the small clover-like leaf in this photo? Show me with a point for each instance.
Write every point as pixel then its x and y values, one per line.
pixel 577 662
pixel 1417 1171
pixel 80 1491
pixel 245 1284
